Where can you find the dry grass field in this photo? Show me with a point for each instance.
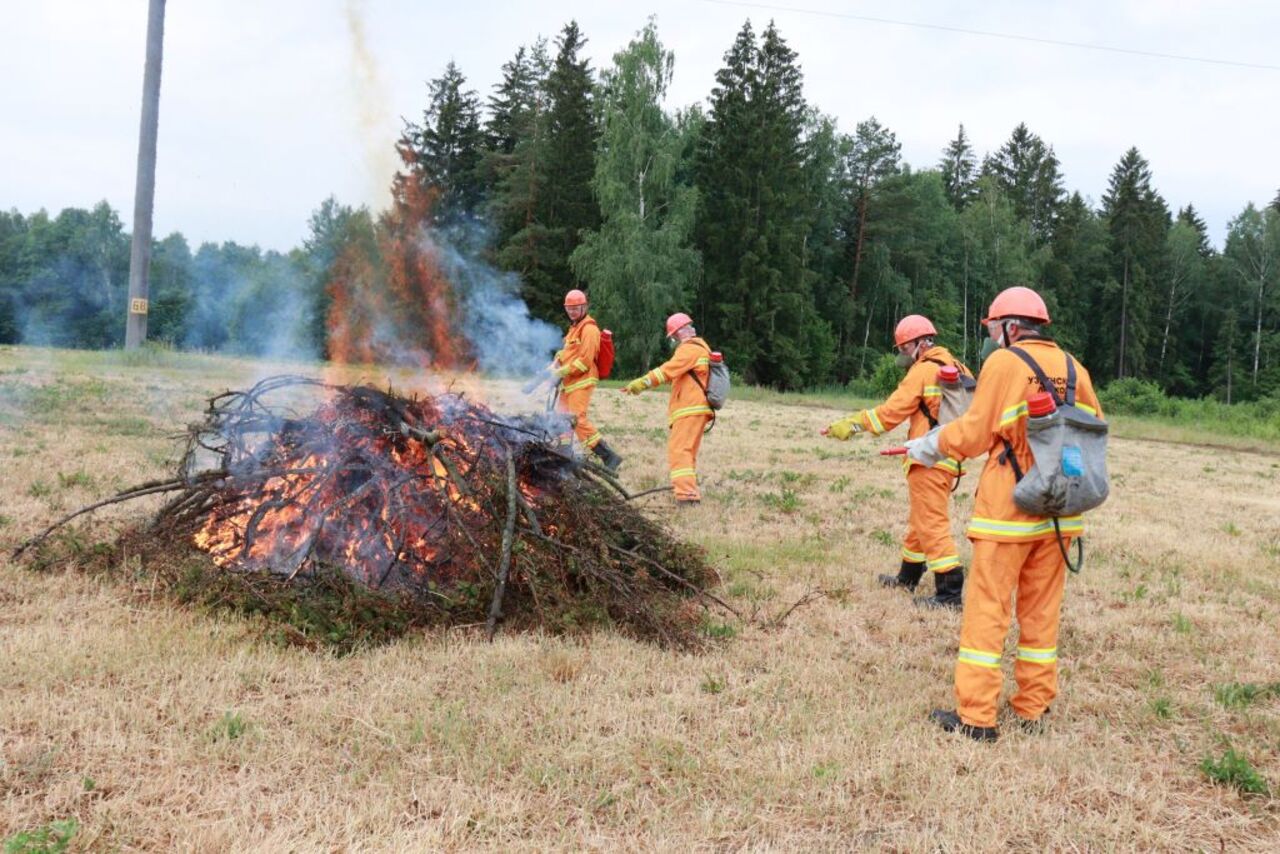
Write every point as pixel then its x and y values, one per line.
pixel 157 727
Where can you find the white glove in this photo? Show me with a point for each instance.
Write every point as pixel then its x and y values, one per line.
pixel 925 449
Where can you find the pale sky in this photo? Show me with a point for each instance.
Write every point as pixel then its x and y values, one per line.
pixel 268 107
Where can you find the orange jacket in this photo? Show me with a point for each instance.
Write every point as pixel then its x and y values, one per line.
pixel 581 345
pixel 920 384
pixel 999 412
pixel 691 358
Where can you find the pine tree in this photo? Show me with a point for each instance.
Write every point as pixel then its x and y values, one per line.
pixel 1275 203
pixel 639 265
pixel 959 169
pixel 444 152
pixel 1137 220
pixel 1027 171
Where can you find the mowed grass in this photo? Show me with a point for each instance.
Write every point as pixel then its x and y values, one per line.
pixel 155 727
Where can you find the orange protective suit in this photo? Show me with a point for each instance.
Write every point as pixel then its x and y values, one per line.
pixel 578 361
pixel 1012 550
pixel 928 538
pixel 687 412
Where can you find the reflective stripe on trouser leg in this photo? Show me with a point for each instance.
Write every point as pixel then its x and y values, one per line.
pixel 1040 588
pixel 576 402
pixel 928 522
pixel 682 456
pixel 993 574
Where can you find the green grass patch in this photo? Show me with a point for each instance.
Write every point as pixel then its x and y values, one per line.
pixel 231 727
pixel 1239 695
pixel 70 480
pixel 53 838
pixel 784 500
pixel 1234 769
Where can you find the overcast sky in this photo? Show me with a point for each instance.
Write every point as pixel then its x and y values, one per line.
pixel 268 107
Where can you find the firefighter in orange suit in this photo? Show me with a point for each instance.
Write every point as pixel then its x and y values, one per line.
pixel 1012 550
pixel 928 543
pixel 575 367
pixel 688 411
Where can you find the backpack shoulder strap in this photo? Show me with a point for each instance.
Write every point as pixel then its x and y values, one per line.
pixel 1071 380
pixel 1044 380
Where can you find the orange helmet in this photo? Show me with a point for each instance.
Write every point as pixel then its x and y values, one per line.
pixel 676 322
pixel 911 327
pixel 1017 302
pixel 575 297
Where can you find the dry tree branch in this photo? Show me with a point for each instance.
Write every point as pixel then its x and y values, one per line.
pixel 508 536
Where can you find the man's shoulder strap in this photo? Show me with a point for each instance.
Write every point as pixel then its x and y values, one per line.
pixel 1044 380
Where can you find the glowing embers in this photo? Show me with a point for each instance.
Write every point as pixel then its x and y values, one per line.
pixel 391 491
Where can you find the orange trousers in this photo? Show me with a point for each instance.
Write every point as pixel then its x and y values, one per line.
pixel 929 539
pixel 576 403
pixel 682 456
pixel 1037 573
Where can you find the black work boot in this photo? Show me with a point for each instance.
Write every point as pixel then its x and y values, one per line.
pixel 948 589
pixel 908 576
pixel 609 458
pixel 1036 727
pixel 950 722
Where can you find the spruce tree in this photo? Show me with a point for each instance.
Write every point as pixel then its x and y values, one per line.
pixel 724 180
pixel 1073 276
pixel 1192 218
pixel 959 169
pixel 444 151
pixel 754 220
pixel 566 207
pixel 1137 220
pixel 873 156
pixel 1027 171
pixel 519 116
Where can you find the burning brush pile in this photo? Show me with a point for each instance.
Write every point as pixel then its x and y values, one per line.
pixel 435 508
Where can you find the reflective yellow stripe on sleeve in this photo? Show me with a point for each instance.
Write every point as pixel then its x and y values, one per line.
pixel 579 365
pixel 933 391
pixel 876 426
pixel 1013 413
pixel 950 465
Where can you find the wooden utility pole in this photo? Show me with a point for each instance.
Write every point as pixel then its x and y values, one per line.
pixel 145 189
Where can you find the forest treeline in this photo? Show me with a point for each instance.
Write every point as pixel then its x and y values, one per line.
pixel 795 245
